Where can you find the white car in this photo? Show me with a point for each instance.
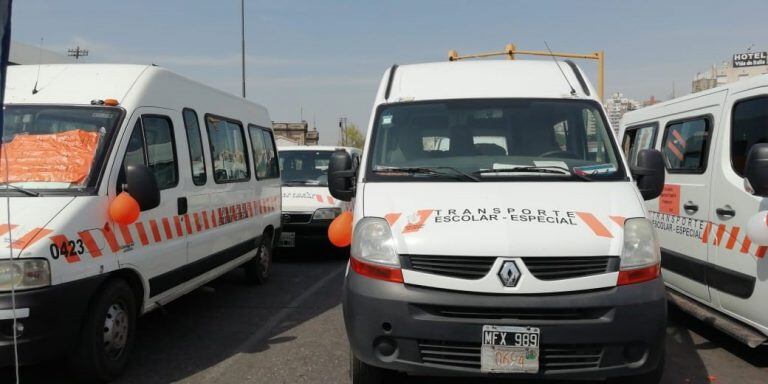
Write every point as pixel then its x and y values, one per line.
pixel 308 207
pixel 201 165
pixel 498 230
pixel 710 219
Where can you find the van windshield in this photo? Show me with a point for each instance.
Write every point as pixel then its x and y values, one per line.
pixel 493 139
pixel 54 147
pixel 304 167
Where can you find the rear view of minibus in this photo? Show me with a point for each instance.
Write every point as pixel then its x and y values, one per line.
pixel 498 232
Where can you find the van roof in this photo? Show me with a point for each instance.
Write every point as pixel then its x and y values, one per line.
pixel 484 79
pixel 78 84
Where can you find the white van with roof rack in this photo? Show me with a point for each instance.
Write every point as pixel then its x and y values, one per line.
pixel 308 207
pixel 498 231
pixel 710 218
pixel 127 186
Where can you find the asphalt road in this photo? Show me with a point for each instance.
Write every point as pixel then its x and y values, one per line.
pixel 291 331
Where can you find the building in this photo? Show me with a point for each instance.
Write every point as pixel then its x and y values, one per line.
pixel 741 66
pixel 298 133
pixel 21 53
pixel 617 105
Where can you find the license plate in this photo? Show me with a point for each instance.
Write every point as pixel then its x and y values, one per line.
pixel 287 240
pixel 510 349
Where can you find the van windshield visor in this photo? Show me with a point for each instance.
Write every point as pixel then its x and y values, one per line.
pixel 54 147
pixel 304 168
pixel 493 139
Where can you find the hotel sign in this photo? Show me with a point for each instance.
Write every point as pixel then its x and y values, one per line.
pixel 750 59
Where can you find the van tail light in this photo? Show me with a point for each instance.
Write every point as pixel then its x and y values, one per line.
pixel 639 275
pixel 379 272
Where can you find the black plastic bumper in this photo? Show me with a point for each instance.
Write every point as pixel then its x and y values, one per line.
pixel 55 315
pixel 315 233
pixel 587 335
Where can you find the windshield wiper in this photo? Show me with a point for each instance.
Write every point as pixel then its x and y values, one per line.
pixel 552 169
pixel 20 189
pixel 434 171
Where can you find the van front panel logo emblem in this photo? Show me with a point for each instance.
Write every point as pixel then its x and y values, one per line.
pixel 509 274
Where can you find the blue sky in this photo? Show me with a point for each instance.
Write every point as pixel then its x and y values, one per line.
pixel 327 57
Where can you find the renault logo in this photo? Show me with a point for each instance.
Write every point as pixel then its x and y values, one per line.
pixel 509 274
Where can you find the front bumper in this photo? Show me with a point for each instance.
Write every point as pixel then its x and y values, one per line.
pixel 315 232
pixel 52 321
pixel 588 335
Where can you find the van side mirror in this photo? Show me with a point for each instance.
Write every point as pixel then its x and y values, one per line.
pixel 141 184
pixel 341 176
pixel 649 173
pixel 756 170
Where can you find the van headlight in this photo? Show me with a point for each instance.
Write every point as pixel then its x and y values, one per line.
pixel 372 242
pixel 24 274
pixel 326 213
pixel 640 257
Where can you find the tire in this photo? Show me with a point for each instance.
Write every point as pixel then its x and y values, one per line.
pixel 107 334
pixel 652 377
pixel 257 270
pixel 362 373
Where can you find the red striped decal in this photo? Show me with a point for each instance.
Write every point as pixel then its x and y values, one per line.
pixel 90 243
pixel 62 243
pixel 319 198
pixel 109 235
pixel 177 223
pixel 705 236
pixel 155 231
pixel 5 228
pixel 249 207
pixel 675 151
pixel 619 220
pixel 330 199
pixel 746 244
pixel 213 219
pixel 197 221
pixel 679 138
pixel 167 228
pixel 30 238
pixel 719 234
pixel 732 239
pixel 188 224
pixel 142 233
pixel 418 225
pixel 761 251
pixel 126 233
pixel 392 218
pixel 205 219
pixel 594 224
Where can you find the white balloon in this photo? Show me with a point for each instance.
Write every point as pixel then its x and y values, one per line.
pixel 757 228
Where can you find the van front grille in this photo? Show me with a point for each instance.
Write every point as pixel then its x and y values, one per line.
pixel 296 218
pixel 463 267
pixel 514 314
pixel 557 268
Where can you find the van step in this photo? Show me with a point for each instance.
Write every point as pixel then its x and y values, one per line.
pixel 732 327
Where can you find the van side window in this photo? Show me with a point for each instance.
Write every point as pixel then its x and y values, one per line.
pixel 637 139
pixel 228 150
pixel 749 126
pixel 259 151
pixel 686 144
pixel 152 144
pixel 195 143
pixel 273 167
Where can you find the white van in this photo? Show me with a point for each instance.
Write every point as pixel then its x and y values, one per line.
pixel 498 231
pixel 711 142
pixel 308 207
pixel 200 163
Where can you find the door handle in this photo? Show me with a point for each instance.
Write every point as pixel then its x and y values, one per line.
pixel 726 211
pixel 690 208
pixel 182 203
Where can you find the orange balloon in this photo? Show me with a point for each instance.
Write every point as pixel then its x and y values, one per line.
pixel 124 209
pixel 340 230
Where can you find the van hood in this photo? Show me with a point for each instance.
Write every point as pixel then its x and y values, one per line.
pixel 29 221
pixel 509 219
pixel 307 199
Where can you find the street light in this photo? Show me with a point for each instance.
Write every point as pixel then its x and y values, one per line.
pixel 242 40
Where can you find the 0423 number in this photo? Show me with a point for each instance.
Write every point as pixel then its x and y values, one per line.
pixel 67 249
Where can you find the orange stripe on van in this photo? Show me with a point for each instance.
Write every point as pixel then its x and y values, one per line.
pixel 177 224
pixel 213 219
pixel 62 242
pixel 719 234
pixel 594 224
pixel 619 220
pixel 761 251
pixel 746 244
pixel 679 138
pixel 205 219
pixel 330 200
pixel 675 151
pixel 249 207
pixel 167 228
pixel 142 233
pixel 126 233
pixel 30 238
pixel 392 218
pixel 109 235
pixel 5 228
pixel 417 226
pixel 90 243
pixel 319 198
pixel 705 236
pixel 198 225
pixel 732 238
pixel 155 231
pixel 188 224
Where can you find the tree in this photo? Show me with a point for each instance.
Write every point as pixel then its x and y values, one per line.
pixel 352 137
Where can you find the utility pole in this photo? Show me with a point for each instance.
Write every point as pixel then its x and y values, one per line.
pixel 77 52
pixel 242 40
pixel 343 129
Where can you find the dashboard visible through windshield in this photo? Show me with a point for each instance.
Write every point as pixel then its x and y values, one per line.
pixel 304 167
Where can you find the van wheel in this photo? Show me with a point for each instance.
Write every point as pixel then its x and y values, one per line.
pixel 362 373
pixel 257 270
pixel 107 334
